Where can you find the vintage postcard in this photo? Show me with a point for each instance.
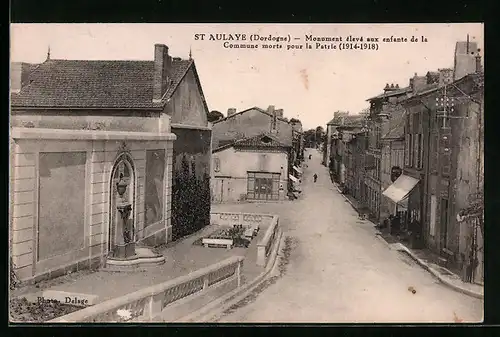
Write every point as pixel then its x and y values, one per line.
pixel 250 173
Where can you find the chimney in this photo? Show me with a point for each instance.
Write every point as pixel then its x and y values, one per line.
pixel 231 111
pixel 279 113
pixel 19 75
pixel 479 68
pixel 162 70
pixel 465 59
pixel 270 110
pixel 418 83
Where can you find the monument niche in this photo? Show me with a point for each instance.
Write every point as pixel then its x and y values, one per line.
pixel 124 251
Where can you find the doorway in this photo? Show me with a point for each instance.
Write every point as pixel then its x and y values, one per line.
pixel 263 186
pixel 444 223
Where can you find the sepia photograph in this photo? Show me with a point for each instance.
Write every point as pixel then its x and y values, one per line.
pixel 246 173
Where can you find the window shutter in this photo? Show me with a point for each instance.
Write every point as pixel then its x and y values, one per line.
pixel 445 154
pixel 407 150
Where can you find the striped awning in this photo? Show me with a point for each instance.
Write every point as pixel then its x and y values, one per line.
pixel 292 178
pixel 297 169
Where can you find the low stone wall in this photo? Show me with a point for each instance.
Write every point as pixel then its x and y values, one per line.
pixel 166 301
pixel 264 247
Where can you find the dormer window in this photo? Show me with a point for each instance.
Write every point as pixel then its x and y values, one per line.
pixel 265 140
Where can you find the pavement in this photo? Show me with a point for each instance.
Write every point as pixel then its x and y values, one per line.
pixel 338 271
pixel 428 262
pixel 182 258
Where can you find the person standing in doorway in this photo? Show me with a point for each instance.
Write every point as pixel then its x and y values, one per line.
pixel 315 177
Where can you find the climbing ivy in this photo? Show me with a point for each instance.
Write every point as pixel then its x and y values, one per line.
pixel 190 201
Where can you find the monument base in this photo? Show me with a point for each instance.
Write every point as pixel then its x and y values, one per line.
pixel 142 259
pixel 124 251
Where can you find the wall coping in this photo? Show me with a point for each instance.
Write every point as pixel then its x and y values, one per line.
pixel 269 232
pixel 68 134
pixel 186 126
pixel 150 291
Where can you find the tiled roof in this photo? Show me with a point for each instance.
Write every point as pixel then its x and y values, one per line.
pixel 95 84
pixel 264 140
pixel 255 142
pixel 346 120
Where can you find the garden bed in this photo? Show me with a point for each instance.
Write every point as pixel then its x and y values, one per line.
pixel 22 310
pixel 225 234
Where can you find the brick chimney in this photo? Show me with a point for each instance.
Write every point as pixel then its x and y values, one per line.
pixel 279 113
pixel 162 71
pixel 231 111
pixel 465 58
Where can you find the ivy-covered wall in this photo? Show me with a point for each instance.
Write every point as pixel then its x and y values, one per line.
pixel 191 181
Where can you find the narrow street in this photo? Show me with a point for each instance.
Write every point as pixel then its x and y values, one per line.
pixel 340 272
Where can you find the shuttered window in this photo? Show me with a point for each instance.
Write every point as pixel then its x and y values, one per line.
pixel 407 150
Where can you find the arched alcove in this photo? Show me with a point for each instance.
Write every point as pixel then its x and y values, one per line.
pixel 122 192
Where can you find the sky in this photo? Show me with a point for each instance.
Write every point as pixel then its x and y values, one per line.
pixel 309 84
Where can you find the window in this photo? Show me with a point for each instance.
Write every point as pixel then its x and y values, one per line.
pixel 415 150
pixel 263 186
pixel 216 164
pixel 419 150
pixel 416 122
pixel 434 151
pixel 407 150
pixel 153 201
pixel 410 150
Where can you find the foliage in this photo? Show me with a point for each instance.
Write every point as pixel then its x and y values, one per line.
pixel 295 120
pixel 214 115
pixel 314 137
pixel 21 310
pixel 14 281
pixel 190 201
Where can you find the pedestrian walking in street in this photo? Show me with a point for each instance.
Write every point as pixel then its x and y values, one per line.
pixel 310 156
pixel 315 177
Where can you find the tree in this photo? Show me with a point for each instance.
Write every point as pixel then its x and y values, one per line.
pixel 214 116
pixel 295 120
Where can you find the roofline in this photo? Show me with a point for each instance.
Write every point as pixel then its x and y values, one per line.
pixel 256 108
pixel 465 78
pixel 18 107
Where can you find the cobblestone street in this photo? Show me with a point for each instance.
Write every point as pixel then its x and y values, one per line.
pixel 339 271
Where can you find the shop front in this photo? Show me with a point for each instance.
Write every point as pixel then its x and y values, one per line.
pixel 405 215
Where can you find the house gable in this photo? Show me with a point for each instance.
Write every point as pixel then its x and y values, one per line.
pixel 187 104
pixel 249 123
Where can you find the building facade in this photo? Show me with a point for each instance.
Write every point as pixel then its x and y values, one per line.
pixel 380 111
pixel 254 122
pixel 82 152
pixel 254 169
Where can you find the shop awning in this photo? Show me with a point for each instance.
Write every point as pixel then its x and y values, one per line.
pixel 401 188
pixel 297 169
pixel 292 178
